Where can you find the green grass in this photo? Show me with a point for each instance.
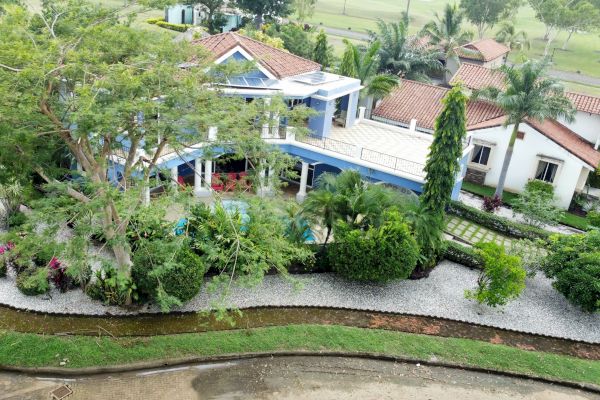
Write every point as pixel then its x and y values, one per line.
pixel 582 88
pixel 583 52
pixel 508 198
pixel 30 350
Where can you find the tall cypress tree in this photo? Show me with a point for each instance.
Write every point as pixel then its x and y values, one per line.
pixel 443 160
pixel 323 51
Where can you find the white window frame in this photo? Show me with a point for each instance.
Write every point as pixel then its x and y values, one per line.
pixel 548 160
pixel 477 166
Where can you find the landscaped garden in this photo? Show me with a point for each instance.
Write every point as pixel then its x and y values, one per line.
pixel 77 241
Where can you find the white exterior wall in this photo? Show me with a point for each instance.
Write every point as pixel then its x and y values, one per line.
pixel 585 125
pixel 525 161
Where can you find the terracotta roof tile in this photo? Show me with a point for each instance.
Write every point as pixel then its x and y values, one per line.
pixel 585 103
pixel 476 77
pixel 423 102
pixel 482 50
pixel 569 140
pixel 278 62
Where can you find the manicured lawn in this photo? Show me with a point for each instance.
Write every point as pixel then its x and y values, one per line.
pixel 568 219
pixel 30 350
pixel 583 53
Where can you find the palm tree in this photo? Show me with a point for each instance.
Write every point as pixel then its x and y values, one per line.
pixel 399 56
pixel 446 31
pixel 363 65
pixel 529 93
pixel 515 40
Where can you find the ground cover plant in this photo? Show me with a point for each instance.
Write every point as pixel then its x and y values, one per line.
pixel 81 351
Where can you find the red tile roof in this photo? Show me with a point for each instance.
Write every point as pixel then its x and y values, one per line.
pixel 482 50
pixel 476 77
pixel 423 102
pixel 569 140
pixel 585 103
pixel 278 62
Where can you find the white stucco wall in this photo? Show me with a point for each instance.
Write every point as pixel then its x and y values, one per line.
pixel 585 125
pixel 526 158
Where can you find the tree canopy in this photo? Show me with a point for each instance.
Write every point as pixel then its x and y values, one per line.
pixel 266 8
pixel 484 14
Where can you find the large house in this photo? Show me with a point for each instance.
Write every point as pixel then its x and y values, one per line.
pixel 484 52
pixel 557 152
pixel 341 137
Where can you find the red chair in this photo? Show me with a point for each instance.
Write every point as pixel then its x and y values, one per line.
pixel 216 182
pixel 231 183
pixel 180 181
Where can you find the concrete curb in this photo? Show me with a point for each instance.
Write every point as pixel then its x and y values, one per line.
pixel 58 372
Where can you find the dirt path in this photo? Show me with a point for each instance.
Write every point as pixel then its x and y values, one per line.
pixel 293 378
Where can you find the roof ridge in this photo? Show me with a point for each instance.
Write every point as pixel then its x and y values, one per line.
pixel 238 36
pixel 426 84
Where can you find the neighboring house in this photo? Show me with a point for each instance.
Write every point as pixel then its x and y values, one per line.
pixel 552 151
pixel 341 137
pixel 484 52
pixel 195 15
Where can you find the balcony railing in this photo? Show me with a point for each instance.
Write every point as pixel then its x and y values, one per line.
pixel 336 146
pixel 393 162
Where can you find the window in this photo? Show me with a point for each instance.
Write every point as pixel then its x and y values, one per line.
pixel 481 154
pixel 546 171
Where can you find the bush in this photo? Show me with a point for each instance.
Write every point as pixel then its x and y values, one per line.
pixel 501 279
pixel 375 254
pixel 497 223
pixel 159 275
pixel 111 286
pixel 536 203
pixel 593 218
pixel 17 219
pixel 491 203
pixel 3 264
pixel 173 27
pixel 574 263
pixel 33 281
pixel 463 255
pixel 154 21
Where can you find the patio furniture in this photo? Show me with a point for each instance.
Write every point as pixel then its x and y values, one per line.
pixel 244 181
pixel 217 182
pixel 231 182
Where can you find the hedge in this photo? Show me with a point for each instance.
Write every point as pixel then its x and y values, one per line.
pixel 154 21
pixel 173 27
pixel 497 223
pixel 463 255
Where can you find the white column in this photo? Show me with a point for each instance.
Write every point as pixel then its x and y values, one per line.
pixel 174 176
pixel 212 133
pixel 264 186
pixel 266 134
pixel 361 113
pixel 208 173
pixel 301 195
pixel 290 134
pixel 199 190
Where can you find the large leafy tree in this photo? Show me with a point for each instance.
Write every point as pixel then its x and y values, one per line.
pixel 363 64
pixel 266 8
pixel 484 14
pixel 528 93
pixel 78 79
pixel 442 163
pixel 214 19
pixel 304 9
pixel 399 56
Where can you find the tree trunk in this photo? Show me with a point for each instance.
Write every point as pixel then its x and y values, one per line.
pixel 506 163
pixel 564 47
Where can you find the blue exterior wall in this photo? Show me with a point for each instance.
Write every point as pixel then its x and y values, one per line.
pixel 173 14
pixel 233 21
pixel 368 173
pixel 320 125
pixel 321 168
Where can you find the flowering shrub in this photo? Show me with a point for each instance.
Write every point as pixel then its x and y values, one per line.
pixel 491 204
pixel 58 275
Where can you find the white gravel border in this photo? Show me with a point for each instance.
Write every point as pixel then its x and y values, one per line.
pixel 539 310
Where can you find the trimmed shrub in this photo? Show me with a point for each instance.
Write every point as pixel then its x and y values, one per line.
pixel 502 278
pixel 463 255
pixel 497 223
pixel 491 203
pixel 154 21
pixel 376 254
pixel 173 27
pixel 33 281
pixel 158 274
pixel 574 262
pixel 536 203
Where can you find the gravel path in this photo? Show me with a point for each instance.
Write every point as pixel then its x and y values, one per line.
pixel 539 310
